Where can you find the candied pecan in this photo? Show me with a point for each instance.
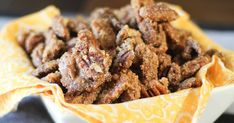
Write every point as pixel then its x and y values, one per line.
pixel 124 58
pixel 178 59
pixel 36 54
pixel 137 4
pixel 157 87
pixel 127 40
pixel 149 68
pixel 29 39
pixel 46 68
pixel 98 61
pixel 149 65
pixel 83 98
pixel 114 89
pixel 59 28
pixel 153 34
pixel 191 50
pixel 164 64
pixel 71 43
pixel 104 33
pixel 126 33
pixel 134 88
pixel 162 48
pixel 86 67
pixel 144 92
pixel 159 45
pixel 181 45
pixel 126 16
pixel 149 30
pixel 54 48
pixel 32 40
pixel 68 69
pixel 177 37
pixel 163 85
pixel 188 83
pixel 112 52
pixel 158 12
pixel 107 13
pixel 164 81
pixel 174 74
pixel 191 67
pixel 76 24
pixel 53 77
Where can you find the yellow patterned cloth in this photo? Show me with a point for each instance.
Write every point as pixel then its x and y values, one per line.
pixel 182 106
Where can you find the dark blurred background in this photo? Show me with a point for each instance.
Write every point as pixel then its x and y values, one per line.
pixel 209 13
pixel 216 17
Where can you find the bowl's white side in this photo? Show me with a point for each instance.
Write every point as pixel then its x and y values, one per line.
pixel 221 98
pixel 230 109
pixel 58 115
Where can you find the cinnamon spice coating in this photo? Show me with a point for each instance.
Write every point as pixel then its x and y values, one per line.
pixel 116 55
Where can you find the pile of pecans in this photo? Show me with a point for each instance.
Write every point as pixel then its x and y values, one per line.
pixel 116 55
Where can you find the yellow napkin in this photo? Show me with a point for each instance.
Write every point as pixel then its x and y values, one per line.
pixel 182 106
